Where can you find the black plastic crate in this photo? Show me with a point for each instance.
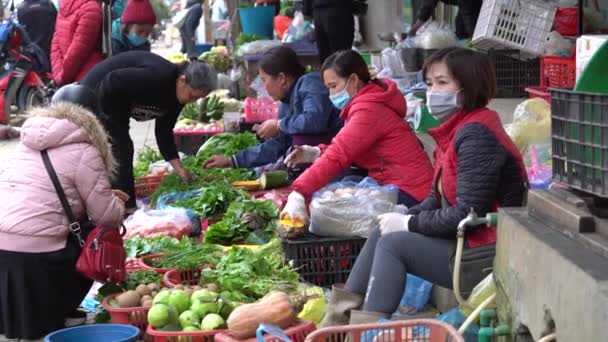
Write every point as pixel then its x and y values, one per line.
pixel 579 127
pixel 514 75
pixel 323 261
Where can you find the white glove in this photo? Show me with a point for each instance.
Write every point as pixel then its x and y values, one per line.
pixel 302 155
pixel 394 222
pixel 296 208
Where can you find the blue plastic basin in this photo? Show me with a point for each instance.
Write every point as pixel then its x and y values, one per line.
pixel 258 20
pixel 95 333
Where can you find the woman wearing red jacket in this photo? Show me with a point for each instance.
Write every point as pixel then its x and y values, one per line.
pixel 375 137
pixel 76 46
pixel 477 166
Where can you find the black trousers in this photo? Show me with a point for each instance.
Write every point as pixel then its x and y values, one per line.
pixel 380 269
pixel 334 30
pixel 123 152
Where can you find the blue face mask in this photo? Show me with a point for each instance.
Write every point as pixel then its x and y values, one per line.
pixel 136 40
pixel 341 99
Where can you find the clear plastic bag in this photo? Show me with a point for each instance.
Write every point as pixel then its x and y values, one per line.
pixel 435 36
pixel 531 126
pixel 258 47
pixel 172 222
pixel 349 208
pixel 392 66
pixel 480 293
pixel 557 45
pixel 258 86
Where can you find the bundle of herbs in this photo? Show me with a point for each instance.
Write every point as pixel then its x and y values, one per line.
pixel 245 275
pixel 192 258
pixel 138 246
pixel 212 200
pixel 250 221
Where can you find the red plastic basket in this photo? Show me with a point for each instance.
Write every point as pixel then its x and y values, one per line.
pixel 558 72
pixel 145 186
pixel 415 330
pixel 260 110
pixel 137 316
pixel 296 333
pixel 142 263
pixel 182 336
pixel 541 92
pixel 173 278
pixel 132 265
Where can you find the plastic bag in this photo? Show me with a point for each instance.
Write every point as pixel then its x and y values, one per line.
pixel 480 293
pixel 455 318
pixel 539 175
pixel 314 309
pixel 392 66
pixel 348 208
pixel 557 45
pixel 166 201
pixel 258 86
pixel 416 295
pixel 172 222
pixel 435 36
pixel 258 47
pixel 298 28
pixel 531 126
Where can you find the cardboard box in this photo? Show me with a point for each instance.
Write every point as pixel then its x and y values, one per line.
pixel 585 48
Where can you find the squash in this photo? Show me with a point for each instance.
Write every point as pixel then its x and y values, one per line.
pixel 247 185
pixel 276 309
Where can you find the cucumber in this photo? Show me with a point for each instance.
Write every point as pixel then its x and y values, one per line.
pixel 273 179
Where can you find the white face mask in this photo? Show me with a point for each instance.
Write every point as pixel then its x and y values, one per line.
pixel 442 104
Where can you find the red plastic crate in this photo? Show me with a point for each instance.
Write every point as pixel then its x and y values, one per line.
pixel 541 92
pixel 182 336
pixel 145 186
pixel 558 72
pixel 173 278
pixel 137 316
pixel 260 110
pixel 296 333
pixel 132 265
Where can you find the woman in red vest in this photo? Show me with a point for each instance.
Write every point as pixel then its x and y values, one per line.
pixel 476 166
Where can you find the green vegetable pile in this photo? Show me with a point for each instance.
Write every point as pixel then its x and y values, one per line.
pixel 211 109
pixel 246 276
pixel 212 200
pixel 250 221
pixel 190 258
pixel 145 157
pixel 226 144
pixel 138 246
pixel 136 278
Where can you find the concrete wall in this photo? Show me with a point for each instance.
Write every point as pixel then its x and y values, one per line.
pixel 383 16
pixel 542 275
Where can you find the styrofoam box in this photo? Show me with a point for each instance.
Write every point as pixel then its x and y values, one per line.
pixel 585 48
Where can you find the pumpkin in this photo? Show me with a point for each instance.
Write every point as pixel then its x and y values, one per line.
pixel 276 309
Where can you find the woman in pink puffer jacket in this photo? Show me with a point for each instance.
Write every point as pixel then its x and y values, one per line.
pixel 39 286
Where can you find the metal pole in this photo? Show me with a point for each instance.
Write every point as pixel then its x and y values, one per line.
pixel 580 18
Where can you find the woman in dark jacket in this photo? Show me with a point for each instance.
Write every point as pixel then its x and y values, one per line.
pixel 466 19
pixel 142 86
pixel 131 32
pixel 476 166
pixel 188 30
pixel 306 115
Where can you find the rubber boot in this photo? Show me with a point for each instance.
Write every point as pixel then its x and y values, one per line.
pixel 341 302
pixel 365 317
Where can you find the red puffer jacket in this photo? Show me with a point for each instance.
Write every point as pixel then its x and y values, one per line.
pixel 377 138
pixel 76 44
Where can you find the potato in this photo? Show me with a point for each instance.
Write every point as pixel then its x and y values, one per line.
pixel 145 298
pixel 153 294
pixel 147 303
pixel 178 287
pixel 153 287
pixel 188 291
pixel 143 290
pixel 128 299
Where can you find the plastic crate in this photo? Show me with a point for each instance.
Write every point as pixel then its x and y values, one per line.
pixel 189 142
pixel 540 92
pixel 173 278
pixel 132 265
pixel 181 336
pixel 296 333
pixel 260 110
pixel 323 261
pixel 145 186
pixel 414 330
pixel 513 75
pixel 579 126
pixel 514 24
pixel 566 21
pixel 137 316
pixel 558 72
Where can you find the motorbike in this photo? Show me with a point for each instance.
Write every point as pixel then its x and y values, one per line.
pixel 25 78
